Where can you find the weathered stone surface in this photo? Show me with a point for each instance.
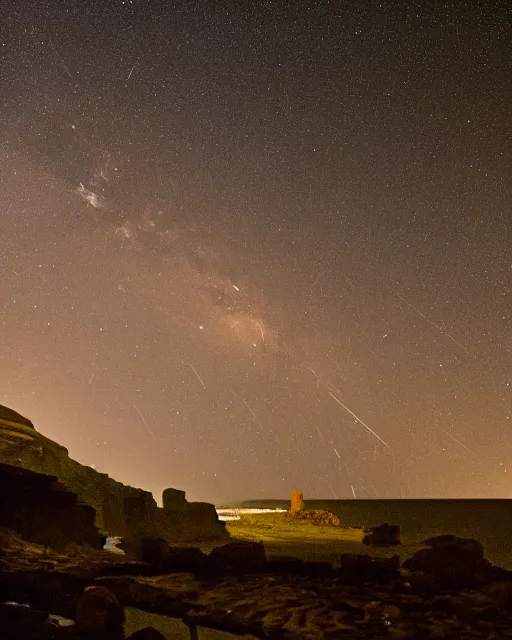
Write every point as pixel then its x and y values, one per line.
pixel 42 510
pixel 98 609
pixel 154 551
pixel 187 559
pixel 297 501
pixel 241 557
pixel 454 561
pixel 500 593
pixel 384 534
pixel 174 500
pixel 197 521
pixel 264 604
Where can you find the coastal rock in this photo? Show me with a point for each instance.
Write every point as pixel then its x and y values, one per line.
pixel 154 551
pixel 455 562
pixel 466 548
pixel 384 534
pixel 174 500
pixel 264 604
pixel 139 515
pixel 240 557
pixel 188 559
pixel 98 610
pixel 500 593
pixel 120 510
pixel 40 509
pixel 200 521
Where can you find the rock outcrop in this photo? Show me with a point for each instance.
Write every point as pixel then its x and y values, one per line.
pixel 240 592
pixel 121 510
pixel 41 510
pixel 384 534
pixel 452 561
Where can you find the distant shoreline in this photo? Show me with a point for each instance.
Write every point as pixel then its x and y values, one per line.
pixel 488 520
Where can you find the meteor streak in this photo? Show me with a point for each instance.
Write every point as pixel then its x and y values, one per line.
pixel 359 420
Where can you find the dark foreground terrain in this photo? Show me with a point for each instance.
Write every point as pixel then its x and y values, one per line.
pixel 446 590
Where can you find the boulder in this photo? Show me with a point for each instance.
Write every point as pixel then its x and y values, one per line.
pixel 239 557
pixel 384 534
pixel 154 551
pixel 185 559
pixel 99 611
pixel 456 562
pixel 200 521
pixel 463 547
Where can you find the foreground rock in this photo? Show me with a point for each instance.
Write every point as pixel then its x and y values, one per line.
pixel 382 535
pixel 99 611
pixel 452 562
pixel 365 598
pixel 40 509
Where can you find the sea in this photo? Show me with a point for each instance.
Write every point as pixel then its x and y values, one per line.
pixel 486 520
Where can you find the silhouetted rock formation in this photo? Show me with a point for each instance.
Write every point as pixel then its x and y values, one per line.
pixel 98 613
pixel 121 510
pixel 173 500
pixel 41 510
pixel 454 562
pixel 240 592
pixel 239 557
pixel 384 534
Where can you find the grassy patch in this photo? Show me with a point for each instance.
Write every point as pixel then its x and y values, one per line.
pixel 282 527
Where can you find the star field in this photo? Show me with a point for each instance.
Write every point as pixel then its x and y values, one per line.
pixel 247 249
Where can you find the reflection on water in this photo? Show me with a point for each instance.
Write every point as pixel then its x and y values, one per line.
pixel 171 628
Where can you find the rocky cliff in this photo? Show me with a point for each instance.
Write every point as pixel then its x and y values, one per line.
pixel 121 510
pixel 41 510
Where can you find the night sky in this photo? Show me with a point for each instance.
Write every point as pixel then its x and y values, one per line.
pixel 251 247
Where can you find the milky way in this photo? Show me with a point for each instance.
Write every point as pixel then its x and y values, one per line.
pixel 243 252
